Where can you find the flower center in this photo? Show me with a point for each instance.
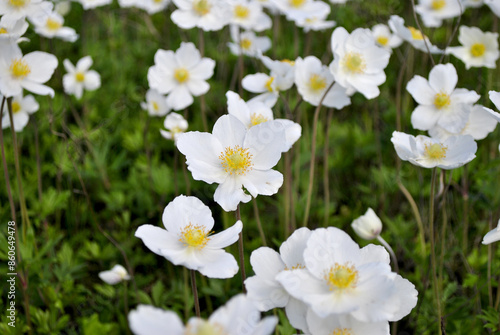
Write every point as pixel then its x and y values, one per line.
pixel 19 68
pixel 236 160
pixel 16 107
pixel 435 151
pixel 477 49
pixel 79 76
pixel 52 24
pixel 295 267
pixel 341 277
pixel 3 31
pixel 194 236
pixel 256 119
pixel 181 75
pixel 343 331
pixel 416 34
pixel 269 82
pixel 202 7
pixel 441 100
pixel 291 62
pixel 438 4
pixel 241 12
pixel 317 82
pixel 18 3
pixel 354 62
pixel 207 328
pixel 245 44
pixel 296 3
pixel 382 40
pixel 155 106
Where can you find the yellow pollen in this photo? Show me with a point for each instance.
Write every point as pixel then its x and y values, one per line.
pixel 416 34
pixel 269 82
pixel 19 68
pixel 236 160
pixel 441 100
pixel 194 236
pixel 296 3
pixel 155 106
pixel 297 266
pixel 3 31
pixel 16 107
pixel 477 49
pixel 317 82
pixel 435 151
pixel 181 75
pixel 201 7
pixel 382 40
pixel 176 130
pixel 18 3
pixel 256 119
pixel 245 44
pixel 291 62
pixel 438 4
pixel 79 76
pixel 157 1
pixel 341 277
pixel 206 328
pixel 354 62
pixel 343 331
pixel 52 24
pixel 241 12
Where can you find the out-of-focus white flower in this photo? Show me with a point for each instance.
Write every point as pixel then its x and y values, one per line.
pixel 312 79
pixel 62 7
pixel 358 63
pixel 150 320
pixel 248 43
pixel 493 235
pixel 428 152
pixel 80 78
pixel 187 239
pixel 472 3
pixel 129 3
pixel 385 38
pixel 248 15
pixel 495 98
pixel 52 25
pixel 440 103
pixel 90 4
pixel 155 104
pixel 299 9
pixel 344 324
pixel 205 14
pixel 367 226
pixel 175 124
pixel 181 75
pixel 478 48
pixel 22 108
pixel 315 21
pixel 152 6
pixel 14 10
pixel 117 274
pixel 494 6
pixel 412 35
pixel 13 30
pixel 433 12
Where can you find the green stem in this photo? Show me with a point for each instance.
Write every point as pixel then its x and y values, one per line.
pixel 416 213
pixel 195 293
pixel 241 252
pixel 433 252
pixel 5 170
pixel 259 223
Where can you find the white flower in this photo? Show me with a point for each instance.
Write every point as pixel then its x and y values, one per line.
pixel 440 103
pixel 181 75
pixel 427 152
pixel 29 71
pixel 117 274
pixel 472 3
pixel 90 4
pixel 434 11
pixel 12 30
pixel 412 35
pixel 344 324
pixel 176 125
pixel 358 63
pixel 478 48
pixel 204 14
pixel 493 235
pixel 315 20
pixel 22 108
pixel 150 320
pixel 248 15
pixel 235 158
pixel 384 38
pixel 152 6
pixel 367 226
pixel 63 7
pixel 155 104
pixel 14 10
pixel 312 79
pixel 282 71
pixel 299 9
pixel 248 43
pixel 187 240
pixel 494 6
pixel 51 24
pixel 80 78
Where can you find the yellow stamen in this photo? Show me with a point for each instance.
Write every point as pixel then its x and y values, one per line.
pixel 341 277
pixel 16 107
pixel 297 266
pixel 269 82
pixel 416 34
pixel 317 82
pixel 18 3
pixel 435 151
pixel 19 68
pixel 206 328
pixel 201 7
pixel 441 100
pixel 80 77
pixel 236 160
pixel 438 4
pixel 343 331
pixel 155 106
pixel 181 75
pixel 256 119
pixel 245 44
pixel 241 12
pixel 354 62
pixel 52 24
pixel 296 3
pixel 382 40
pixel 194 236
pixel 291 62
pixel 3 31
pixel 477 49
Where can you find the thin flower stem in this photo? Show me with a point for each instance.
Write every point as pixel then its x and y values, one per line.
pixel 326 158
pixel 391 252
pixel 125 301
pixel 313 156
pixel 433 245
pixel 259 223
pixel 465 209
pixel 195 293
pixel 422 32
pixel 5 170
pixel 416 213
pixel 490 260
pixel 241 252
pixel 38 162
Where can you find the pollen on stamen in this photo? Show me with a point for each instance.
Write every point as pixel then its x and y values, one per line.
pixel 295 267
pixel 194 236
pixel 52 24
pixel 477 49
pixel 442 100
pixel 416 34
pixel 245 43
pixel 256 119
pixel 181 75
pixel 19 68
pixel 201 7
pixel 17 3
pixel 435 151
pixel 341 331
pixel 438 4
pixel 16 107
pixel 341 277
pixel 236 160
pixel 382 40
pixel 241 12
pixel 80 77
pixel 317 82
pixel 296 3
pixel 268 84
pixel 354 62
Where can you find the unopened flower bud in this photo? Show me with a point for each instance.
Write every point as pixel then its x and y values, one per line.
pixel 367 226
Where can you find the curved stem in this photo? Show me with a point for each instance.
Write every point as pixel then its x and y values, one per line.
pixel 416 213
pixel 391 252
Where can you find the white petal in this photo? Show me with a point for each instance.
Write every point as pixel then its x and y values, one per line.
pixel 226 237
pixel 266 142
pixel 149 320
pixel 156 238
pixel 42 66
pixel 262 182
pixel 183 211
pixel 230 193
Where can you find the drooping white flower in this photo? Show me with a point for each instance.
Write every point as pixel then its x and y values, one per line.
pixel 155 104
pixel 358 63
pixel 248 43
pixel 344 324
pixel 478 48
pixel 91 4
pixel 248 15
pixel 312 79
pixel 175 125
pixel 433 12
pixel 205 14
pixel 51 25
pixel 412 35
pixel 150 320
pixel 440 103
pixel 187 239
pixel 427 152
pixel 385 38
pixel 80 78
pixel 22 108
pixel 367 226
pixel 117 274
pixel 181 75
pixel 235 158
pixel 493 235
pixel 14 10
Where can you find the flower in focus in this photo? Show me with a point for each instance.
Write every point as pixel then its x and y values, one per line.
pixel 187 239
pixel 80 78
pixel 358 63
pixel 150 320
pixel 236 158
pixel 440 103
pixel 117 274
pixel 22 107
pixel 433 12
pixel 385 38
pixel 175 124
pixel 478 48
pixel 181 75
pixel 155 104
pixel 428 152
pixel 247 43
pixel 90 4
pixel 493 235
pixel 51 24
pixel 367 226
pixel 412 35
pixel 205 14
